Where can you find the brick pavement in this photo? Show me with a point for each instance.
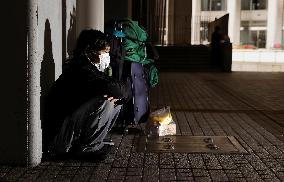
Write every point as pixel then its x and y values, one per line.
pixel 249 106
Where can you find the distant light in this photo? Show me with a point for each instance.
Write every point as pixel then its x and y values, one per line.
pixel 257 28
pixel 254 28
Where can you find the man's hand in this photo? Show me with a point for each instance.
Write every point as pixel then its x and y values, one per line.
pixel 109 98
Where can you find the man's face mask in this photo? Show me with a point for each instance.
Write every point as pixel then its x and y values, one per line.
pixel 104 61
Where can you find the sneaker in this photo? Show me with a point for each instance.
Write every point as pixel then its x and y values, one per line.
pixel 95 156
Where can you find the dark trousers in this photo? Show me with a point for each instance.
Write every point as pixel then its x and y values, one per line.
pixel 86 128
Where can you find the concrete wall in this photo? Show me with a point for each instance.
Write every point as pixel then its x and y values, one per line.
pixel 50 34
pixel 90 14
pixel 57 24
pixel 37 39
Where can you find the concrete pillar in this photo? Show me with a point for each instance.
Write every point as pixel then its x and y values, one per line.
pixel 33 92
pixel 274 22
pixel 234 10
pixel 195 22
pixel 171 24
pixel 91 15
pixel 166 35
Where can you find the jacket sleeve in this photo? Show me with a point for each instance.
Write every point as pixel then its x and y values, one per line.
pixel 119 90
pixel 101 84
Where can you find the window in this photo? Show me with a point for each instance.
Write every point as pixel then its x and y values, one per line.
pixel 213 5
pixel 253 4
pixel 204 32
pixel 245 4
pixel 216 5
pixel 253 33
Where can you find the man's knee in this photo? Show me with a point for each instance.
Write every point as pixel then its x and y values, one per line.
pixel 111 105
pixel 107 106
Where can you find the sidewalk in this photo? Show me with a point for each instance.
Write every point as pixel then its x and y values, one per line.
pixel 248 106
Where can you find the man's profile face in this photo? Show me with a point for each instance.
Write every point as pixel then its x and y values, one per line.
pixel 97 54
pixel 102 52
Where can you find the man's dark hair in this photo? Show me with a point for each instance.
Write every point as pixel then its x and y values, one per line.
pixel 93 40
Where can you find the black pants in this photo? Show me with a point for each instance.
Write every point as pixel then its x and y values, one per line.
pixel 86 128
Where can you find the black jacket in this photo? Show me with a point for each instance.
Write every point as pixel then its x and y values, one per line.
pixel 79 82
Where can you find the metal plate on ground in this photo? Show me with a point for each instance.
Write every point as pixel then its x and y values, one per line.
pixel 190 144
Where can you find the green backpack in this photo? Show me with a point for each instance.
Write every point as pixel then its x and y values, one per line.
pixel 134 43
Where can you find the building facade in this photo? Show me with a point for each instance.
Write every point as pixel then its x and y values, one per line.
pixel 252 23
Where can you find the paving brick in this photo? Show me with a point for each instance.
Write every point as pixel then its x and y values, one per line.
pixel 117 174
pixel 181 160
pixel 88 164
pixel 226 162
pixel 123 152
pixel 203 124
pixel 72 163
pixel 136 160
pixel 194 126
pixel 100 172
pixel 196 161
pixel 218 175
pixel 133 178
pixel 14 173
pixel 150 173
pixel 32 174
pixel 151 159
pixel 234 175
pixel 83 174
pixel 248 171
pixel 256 162
pixel 263 154
pixel 214 124
pixel 248 106
pixel 183 124
pixel 200 172
pixel 211 162
pixel 167 175
pixel 166 160
pixel 280 175
pixel 184 174
pixel 63 178
pixel 134 172
pixel 4 170
pixel 272 180
pixel 68 170
pixel 274 152
pixel 202 179
pixel 253 179
pixel 51 172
